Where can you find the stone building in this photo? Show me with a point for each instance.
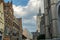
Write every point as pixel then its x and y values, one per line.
pixel 35 35
pixel 1 20
pixel 42 24
pixel 16 30
pixel 21 29
pixel 27 34
pixel 8 17
pixel 12 25
pixel 38 20
pixel 52 18
pixel 9 25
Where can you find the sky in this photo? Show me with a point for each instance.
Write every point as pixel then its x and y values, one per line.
pixel 27 10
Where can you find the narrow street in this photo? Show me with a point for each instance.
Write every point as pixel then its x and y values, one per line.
pixel 29 19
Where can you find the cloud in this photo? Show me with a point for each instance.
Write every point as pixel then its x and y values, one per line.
pixel 30 21
pixel 30 24
pixel 19 11
pixel 29 10
pixel 35 17
pixel 28 13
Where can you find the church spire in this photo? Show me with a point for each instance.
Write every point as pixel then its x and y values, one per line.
pixel 39 14
pixel 11 1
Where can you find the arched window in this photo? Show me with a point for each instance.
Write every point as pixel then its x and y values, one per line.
pixel 59 12
pixel 59 16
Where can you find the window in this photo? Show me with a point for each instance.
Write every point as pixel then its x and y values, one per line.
pixel 48 2
pixel 7 30
pixel 0 13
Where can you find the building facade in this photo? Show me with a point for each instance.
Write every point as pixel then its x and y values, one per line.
pixel 42 25
pixel 16 30
pixel 8 17
pixel 21 29
pixel 10 27
pixel 38 20
pixel 52 18
pixel 27 34
pixel 1 20
pixel 35 35
pixel 38 23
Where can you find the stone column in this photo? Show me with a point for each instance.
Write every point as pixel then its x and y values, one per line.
pixel 46 18
pixel 54 18
pixel 46 26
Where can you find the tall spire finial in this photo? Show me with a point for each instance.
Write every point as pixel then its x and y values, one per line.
pixel 11 1
pixel 39 14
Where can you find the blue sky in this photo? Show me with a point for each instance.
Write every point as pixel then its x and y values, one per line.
pixel 27 9
pixel 19 2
